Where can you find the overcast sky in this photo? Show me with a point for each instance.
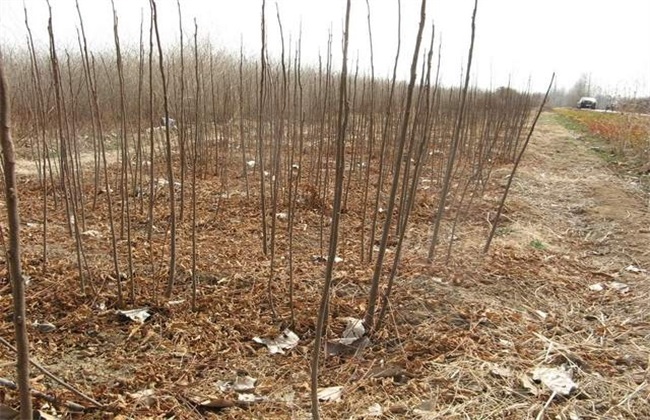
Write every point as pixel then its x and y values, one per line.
pixel 519 40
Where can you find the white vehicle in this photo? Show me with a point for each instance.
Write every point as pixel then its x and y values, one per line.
pixel 587 102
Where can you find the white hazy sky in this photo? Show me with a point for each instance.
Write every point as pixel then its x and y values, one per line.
pixel 519 40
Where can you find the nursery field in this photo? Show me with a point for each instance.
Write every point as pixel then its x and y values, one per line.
pixel 564 286
pixel 211 234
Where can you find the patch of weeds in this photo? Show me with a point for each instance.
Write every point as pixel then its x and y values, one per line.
pixel 537 244
pixel 627 133
pixel 503 231
pixel 569 123
pixel 608 156
pixel 590 125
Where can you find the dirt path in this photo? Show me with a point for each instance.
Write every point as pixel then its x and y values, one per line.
pixel 573 193
pixel 564 286
pixel 29 167
pixel 593 228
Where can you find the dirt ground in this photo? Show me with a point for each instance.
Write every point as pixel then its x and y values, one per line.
pixel 563 286
pixel 589 226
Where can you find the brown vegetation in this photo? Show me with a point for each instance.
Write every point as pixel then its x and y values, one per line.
pixel 222 223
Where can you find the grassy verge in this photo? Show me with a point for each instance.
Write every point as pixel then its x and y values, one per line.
pixel 628 135
pixel 619 139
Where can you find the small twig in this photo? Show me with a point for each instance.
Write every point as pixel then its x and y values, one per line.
pixel 601 273
pixel 360 381
pixel 540 415
pixel 55 378
pixel 548 351
pixel 43 396
pixel 628 397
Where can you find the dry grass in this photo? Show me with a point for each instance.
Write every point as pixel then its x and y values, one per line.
pixel 460 335
pixel 627 134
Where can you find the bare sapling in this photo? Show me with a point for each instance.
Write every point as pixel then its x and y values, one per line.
pixel 181 116
pixel 242 145
pixel 85 60
pixel 109 199
pixel 36 75
pixel 197 94
pixel 74 183
pixel 77 169
pixel 354 142
pixel 35 109
pixel 453 148
pixel 323 149
pixel 371 142
pixel 90 75
pixel 515 166
pixel 61 137
pixel 409 189
pixel 343 113
pixel 213 103
pixel 169 157
pixel 152 160
pixel 137 185
pixel 260 130
pixel 384 141
pixel 13 251
pixel 124 185
pixel 374 288
pixel 295 171
pixel 66 168
pixel 276 165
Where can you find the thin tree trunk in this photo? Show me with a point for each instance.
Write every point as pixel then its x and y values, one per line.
pixel 181 116
pixel 336 215
pixel 46 159
pixel 372 297
pixel 170 169
pixel 371 142
pixel 13 252
pixel 454 144
pixel 109 199
pixel 137 180
pixel 277 154
pixel 260 131
pixel 514 168
pixel 194 162
pixel 126 201
pixel 384 135
pixel 152 159
pixel 241 118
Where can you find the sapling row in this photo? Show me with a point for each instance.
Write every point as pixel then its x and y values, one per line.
pixel 163 140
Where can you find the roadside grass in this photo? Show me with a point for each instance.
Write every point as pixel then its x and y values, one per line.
pixel 627 134
pixel 567 120
pixel 620 139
